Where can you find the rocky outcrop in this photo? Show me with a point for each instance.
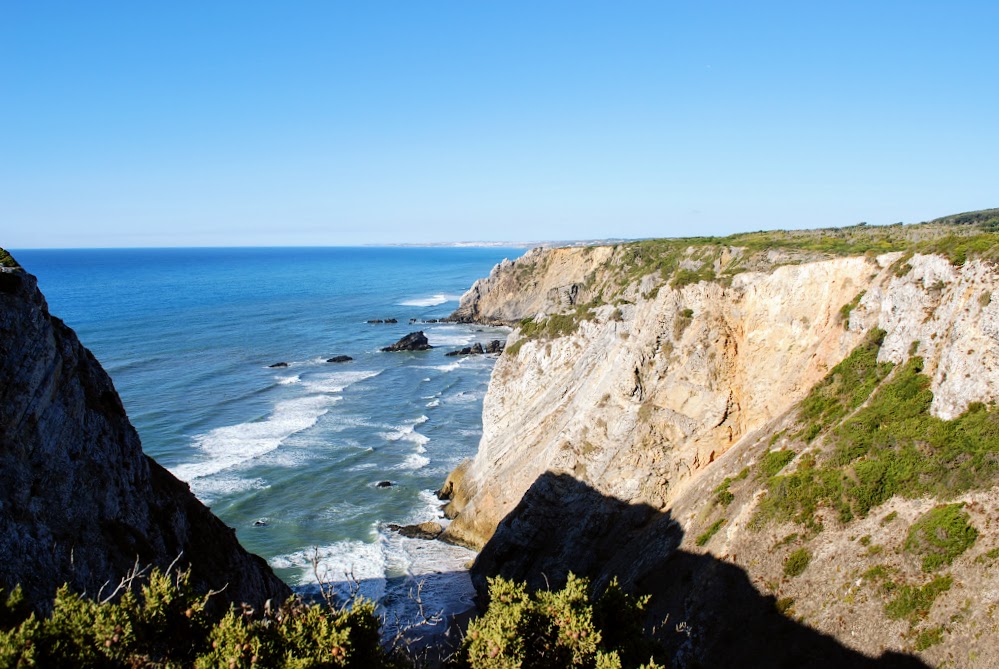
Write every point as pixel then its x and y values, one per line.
pixel 414 341
pixel 340 358
pixel 79 501
pixel 605 442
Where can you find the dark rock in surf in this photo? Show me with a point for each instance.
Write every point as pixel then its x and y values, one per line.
pixel 414 341
pixel 391 320
pixel 383 484
pixel 430 530
pixel 340 358
pixel 376 320
pixel 495 346
pixel 278 365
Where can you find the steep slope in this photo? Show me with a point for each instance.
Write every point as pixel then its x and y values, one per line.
pixel 79 501
pixel 663 387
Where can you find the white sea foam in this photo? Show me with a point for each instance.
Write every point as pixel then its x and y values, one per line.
pixel 288 380
pixel 433 403
pixel 450 367
pixel 339 564
pixel 432 301
pixel 337 382
pixel 214 487
pixel 413 462
pixel 450 335
pixel 226 447
pixel 407 432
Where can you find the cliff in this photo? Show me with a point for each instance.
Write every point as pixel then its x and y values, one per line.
pixel 79 501
pixel 771 402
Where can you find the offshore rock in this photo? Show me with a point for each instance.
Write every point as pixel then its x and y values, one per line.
pixel 414 341
pixel 340 358
pixel 429 530
pixel 79 501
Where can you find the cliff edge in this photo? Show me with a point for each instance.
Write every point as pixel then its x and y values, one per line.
pixel 79 501
pixel 812 409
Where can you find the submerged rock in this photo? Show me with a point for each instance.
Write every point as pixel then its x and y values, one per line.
pixel 383 484
pixel 340 358
pixel 414 341
pixel 278 365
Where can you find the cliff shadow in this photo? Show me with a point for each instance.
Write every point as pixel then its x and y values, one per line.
pixel 563 525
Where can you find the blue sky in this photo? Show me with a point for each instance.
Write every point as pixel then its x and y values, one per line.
pixel 327 123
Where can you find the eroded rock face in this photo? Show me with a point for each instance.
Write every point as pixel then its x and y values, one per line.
pixel 602 450
pixel 639 401
pixel 79 501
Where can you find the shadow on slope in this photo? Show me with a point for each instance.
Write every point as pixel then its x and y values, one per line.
pixel 564 525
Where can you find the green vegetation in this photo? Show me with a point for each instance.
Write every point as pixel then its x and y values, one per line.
pixel 911 602
pixel 6 259
pixel 710 532
pixel 847 309
pixel 514 348
pixel 845 387
pixel 562 629
pixel 929 637
pixel 722 494
pixel 940 535
pixel 797 562
pixel 890 446
pixel 773 461
pixel 166 624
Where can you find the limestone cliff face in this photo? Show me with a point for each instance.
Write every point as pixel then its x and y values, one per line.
pixel 655 399
pixel 79 501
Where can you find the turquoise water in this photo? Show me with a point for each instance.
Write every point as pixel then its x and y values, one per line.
pixel 188 336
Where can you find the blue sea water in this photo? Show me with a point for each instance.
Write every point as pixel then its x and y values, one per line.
pixel 290 457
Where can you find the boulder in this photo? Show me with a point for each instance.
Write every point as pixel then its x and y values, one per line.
pixel 340 358
pixel 391 320
pixel 414 341
pixel 428 530
pixel 383 484
pixel 278 365
pixel 495 346
pixel 376 320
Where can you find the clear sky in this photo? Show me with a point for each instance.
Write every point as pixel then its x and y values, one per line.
pixel 258 122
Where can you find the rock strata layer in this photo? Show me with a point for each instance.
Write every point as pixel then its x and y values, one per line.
pixel 79 501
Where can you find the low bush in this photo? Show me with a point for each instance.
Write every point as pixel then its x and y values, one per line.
pixel 940 535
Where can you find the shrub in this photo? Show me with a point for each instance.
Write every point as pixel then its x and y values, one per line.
pixel 913 602
pixel 774 461
pixel 797 562
pixel 560 629
pixel 710 532
pixel 165 624
pixel 940 535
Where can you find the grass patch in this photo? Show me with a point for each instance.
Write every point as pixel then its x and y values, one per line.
pixel 774 461
pixel 710 532
pixel 797 562
pixel 911 602
pixel 940 535
pixel 847 309
pixel 6 259
pixel 929 637
pixel 514 348
pixel 891 446
pixel 845 387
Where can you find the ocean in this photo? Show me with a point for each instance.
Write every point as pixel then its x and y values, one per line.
pixel 291 456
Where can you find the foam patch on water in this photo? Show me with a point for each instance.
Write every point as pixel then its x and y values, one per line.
pixel 408 432
pixel 433 403
pixel 227 447
pixel 337 382
pixel 431 301
pixel 212 488
pixel 343 564
pixel 450 336
pixel 288 380
pixel 413 462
